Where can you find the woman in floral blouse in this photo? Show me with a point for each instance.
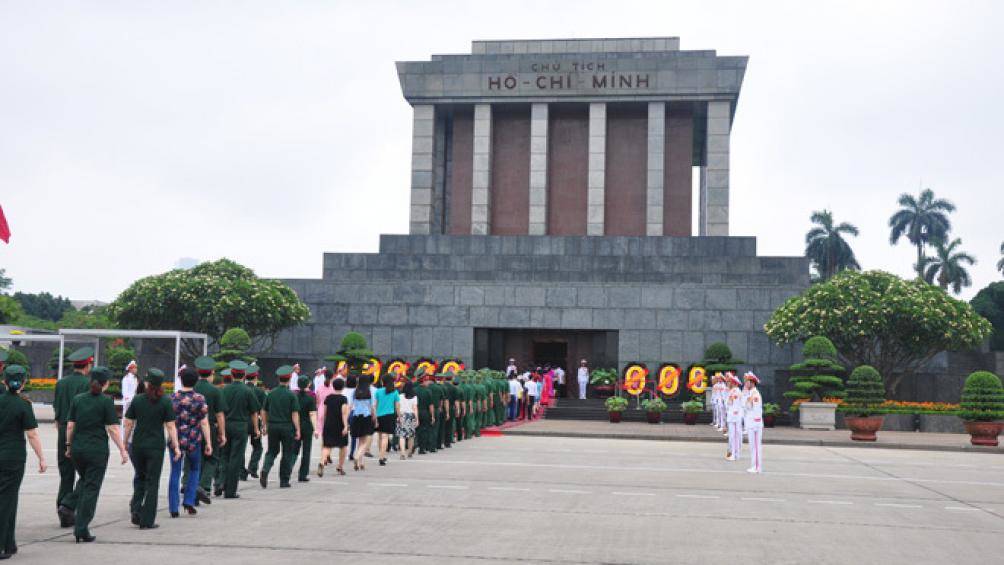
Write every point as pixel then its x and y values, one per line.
pixel 190 409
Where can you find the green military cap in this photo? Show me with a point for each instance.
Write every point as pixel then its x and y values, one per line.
pixel 205 363
pixel 154 376
pixel 3 355
pixel 100 374
pixel 225 373
pixel 238 365
pixel 420 372
pixel 253 369
pixel 82 354
pixel 303 382
pixel 14 371
pixel 284 372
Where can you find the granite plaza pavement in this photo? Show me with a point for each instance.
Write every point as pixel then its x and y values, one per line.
pixel 530 499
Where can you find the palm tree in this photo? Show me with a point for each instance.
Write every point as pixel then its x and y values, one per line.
pixel 946 266
pixel 826 247
pixel 1000 264
pixel 921 220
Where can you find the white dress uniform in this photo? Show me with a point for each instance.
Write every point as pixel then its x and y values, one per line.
pixel 319 378
pixel 583 377
pixel 753 422
pixel 129 385
pixel 718 393
pixel 734 420
pixel 293 384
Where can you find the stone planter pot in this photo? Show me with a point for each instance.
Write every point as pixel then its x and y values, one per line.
pixel 984 433
pixel 603 391
pixel 653 417
pixel 817 416
pixel 690 418
pixel 768 421
pixel 615 417
pixel 863 428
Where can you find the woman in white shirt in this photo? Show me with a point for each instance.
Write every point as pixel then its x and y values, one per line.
pixel 407 420
pixel 128 386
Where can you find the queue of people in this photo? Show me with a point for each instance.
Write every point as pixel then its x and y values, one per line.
pixel 738 412
pixel 205 431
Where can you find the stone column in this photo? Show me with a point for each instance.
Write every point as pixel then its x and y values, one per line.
pixel 715 174
pixel 482 171
pixel 656 163
pixel 538 169
pixel 597 168
pixel 422 145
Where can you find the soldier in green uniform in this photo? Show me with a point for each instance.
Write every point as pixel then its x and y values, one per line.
pixel 308 427
pixel 436 400
pixel 458 409
pixel 501 389
pixel 17 419
pixel 281 417
pixel 482 400
pixel 145 422
pixel 242 406
pixel 449 396
pixel 89 424
pixel 67 389
pixel 217 428
pixel 468 402
pixel 426 413
pixel 256 444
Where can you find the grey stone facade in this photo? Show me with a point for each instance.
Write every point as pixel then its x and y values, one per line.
pixel 667 298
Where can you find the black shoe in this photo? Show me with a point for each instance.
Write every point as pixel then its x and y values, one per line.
pixel 66 517
pixel 202 496
pixel 253 474
pixel 303 480
pixel 232 496
pixel 422 452
pixel 4 555
pixel 368 454
pixel 284 485
pixel 191 510
pixel 383 462
pixel 263 480
pixel 85 539
pixel 244 477
pixel 150 527
pixel 175 514
pixel 218 491
pixel 134 518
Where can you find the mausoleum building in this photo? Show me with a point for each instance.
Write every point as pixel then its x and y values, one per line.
pixel 551 204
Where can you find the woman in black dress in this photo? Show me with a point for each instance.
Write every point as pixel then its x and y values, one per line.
pixel 335 432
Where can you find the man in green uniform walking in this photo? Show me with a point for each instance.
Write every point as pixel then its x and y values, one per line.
pixel 307 404
pixel 449 398
pixel 426 413
pixel 436 400
pixel 242 406
pixel 217 428
pixel 281 417
pixel 256 443
pixel 67 389
pixel 458 409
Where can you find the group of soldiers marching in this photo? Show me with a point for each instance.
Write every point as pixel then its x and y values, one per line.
pixel 204 428
pixel 737 408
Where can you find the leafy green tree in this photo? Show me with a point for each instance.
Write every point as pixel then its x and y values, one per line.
pixel 118 358
pixel 10 310
pixel 865 392
pixel 922 221
pixel 989 303
pixel 5 281
pixel 44 305
pixel 87 318
pixel 826 248
pixel 946 266
pixel 815 378
pixel 354 350
pixel 210 298
pixel 876 318
pixel 718 359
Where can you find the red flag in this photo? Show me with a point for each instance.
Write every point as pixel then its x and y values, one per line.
pixel 4 228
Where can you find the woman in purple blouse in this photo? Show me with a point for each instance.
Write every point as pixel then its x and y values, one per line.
pixel 190 409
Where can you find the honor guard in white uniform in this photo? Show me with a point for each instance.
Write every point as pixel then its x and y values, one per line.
pixel 129 385
pixel 319 378
pixel 718 392
pixel 583 378
pixel 753 421
pixel 734 418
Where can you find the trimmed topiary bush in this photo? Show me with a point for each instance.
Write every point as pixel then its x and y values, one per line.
pixel 355 350
pixel 816 378
pixel 235 338
pixel 982 398
pixel 718 359
pixel 865 392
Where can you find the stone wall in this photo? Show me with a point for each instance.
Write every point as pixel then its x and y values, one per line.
pixel 668 298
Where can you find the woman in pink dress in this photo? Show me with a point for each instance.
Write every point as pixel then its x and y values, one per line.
pixel 547 394
pixel 321 393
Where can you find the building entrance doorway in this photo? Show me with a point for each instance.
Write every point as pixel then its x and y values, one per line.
pixel 553 353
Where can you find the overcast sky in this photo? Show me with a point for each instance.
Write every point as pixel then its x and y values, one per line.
pixel 134 135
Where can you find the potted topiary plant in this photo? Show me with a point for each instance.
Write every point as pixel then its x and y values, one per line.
pixel 654 407
pixel 616 405
pixel 603 382
pixel 865 393
pixel 982 407
pixel 814 382
pixel 691 409
pixel 770 412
